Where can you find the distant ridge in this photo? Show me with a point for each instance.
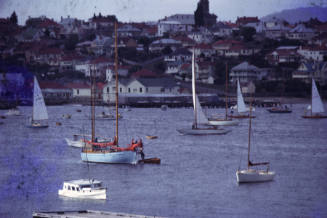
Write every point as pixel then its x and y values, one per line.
pixel 300 14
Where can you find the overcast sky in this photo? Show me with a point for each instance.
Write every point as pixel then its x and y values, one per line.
pixel 146 10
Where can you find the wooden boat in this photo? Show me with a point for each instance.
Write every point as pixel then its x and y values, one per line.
pixel 316 109
pixel 151 137
pixel 254 175
pixel 109 151
pixel 224 121
pixel 242 110
pixel 153 160
pixel 40 113
pixel 201 122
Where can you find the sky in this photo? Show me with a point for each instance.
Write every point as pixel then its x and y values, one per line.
pixel 146 10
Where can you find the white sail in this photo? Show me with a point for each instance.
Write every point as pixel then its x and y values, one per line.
pixel 241 108
pixel 317 106
pixel 200 116
pixel 39 108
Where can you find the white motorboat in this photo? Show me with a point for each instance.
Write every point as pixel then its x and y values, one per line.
pixel 83 188
pixel 13 112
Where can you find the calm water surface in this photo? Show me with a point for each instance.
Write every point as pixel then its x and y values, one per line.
pixel 195 179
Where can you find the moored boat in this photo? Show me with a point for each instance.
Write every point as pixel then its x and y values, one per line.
pixel 83 188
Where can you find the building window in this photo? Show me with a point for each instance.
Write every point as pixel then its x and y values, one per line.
pixel 134 90
pixel 68 187
pixel 129 90
pixel 162 90
pixel 120 89
pixel 140 90
pixel 107 89
pixel 147 89
pixel 73 188
pixel 78 91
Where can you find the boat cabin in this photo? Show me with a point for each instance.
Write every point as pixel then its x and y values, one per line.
pixel 82 185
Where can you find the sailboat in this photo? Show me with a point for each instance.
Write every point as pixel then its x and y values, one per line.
pixel 316 108
pixel 201 123
pixel 109 151
pixel 254 175
pixel 226 121
pixel 242 110
pixel 40 114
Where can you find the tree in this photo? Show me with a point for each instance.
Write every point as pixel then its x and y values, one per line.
pixel 71 42
pixel 247 33
pixel 167 50
pixel 13 18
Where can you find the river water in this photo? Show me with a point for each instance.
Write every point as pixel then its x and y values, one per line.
pixel 196 177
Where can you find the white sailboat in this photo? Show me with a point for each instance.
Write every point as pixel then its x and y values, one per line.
pixel 40 114
pixel 226 121
pixel 316 109
pixel 242 110
pixel 254 175
pixel 201 123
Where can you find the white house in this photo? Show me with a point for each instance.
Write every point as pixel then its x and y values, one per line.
pixel 316 53
pixel 176 23
pixel 80 90
pixel 245 73
pixel 301 32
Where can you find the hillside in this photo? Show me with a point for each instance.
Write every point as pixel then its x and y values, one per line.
pixel 300 14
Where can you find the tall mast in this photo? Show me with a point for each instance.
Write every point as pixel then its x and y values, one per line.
pixel 193 89
pixel 226 88
pixel 92 103
pixel 249 138
pixel 116 70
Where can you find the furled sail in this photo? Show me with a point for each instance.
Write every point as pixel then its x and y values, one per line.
pixel 39 108
pixel 317 106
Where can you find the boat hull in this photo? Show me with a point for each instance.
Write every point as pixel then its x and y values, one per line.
pixel 77 144
pixel 240 116
pixel 204 131
pixel 91 194
pixel 279 111
pixel 314 117
pixel 247 176
pixel 216 122
pixel 121 157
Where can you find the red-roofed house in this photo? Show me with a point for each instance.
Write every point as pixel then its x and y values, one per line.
pixel 55 92
pixel 222 46
pixel 283 54
pixel 241 21
pixel 80 90
pixel 205 49
pixel 316 53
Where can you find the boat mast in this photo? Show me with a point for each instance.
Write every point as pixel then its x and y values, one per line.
pixel 249 137
pixel 116 70
pixel 311 96
pixel 226 88
pixel 193 89
pixel 92 103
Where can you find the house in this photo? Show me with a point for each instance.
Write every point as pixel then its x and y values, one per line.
pixel 222 46
pixel 241 21
pixel 283 54
pixel 128 30
pixel 30 34
pixel 100 22
pixel 144 73
pixel 54 92
pixel 221 30
pixel 245 72
pixel 205 72
pixel 275 28
pixel 203 49
pixel 122 72
pixel 159 45
pixel 80 90
pixel 176 23
pixel 136 87
pixel 68 62
pixel 311 69
pixel 181 54
pixel 301 32
pixel 186 41
pixel 201 36
pixel 316 53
